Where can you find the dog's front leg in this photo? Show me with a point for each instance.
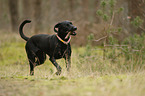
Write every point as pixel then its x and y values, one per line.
pixel 68 62
pixel 56 65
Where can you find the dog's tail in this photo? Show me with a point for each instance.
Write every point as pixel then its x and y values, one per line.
pixel 21 29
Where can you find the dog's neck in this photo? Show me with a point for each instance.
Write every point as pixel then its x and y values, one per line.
pixel 64 37
pixel 65 42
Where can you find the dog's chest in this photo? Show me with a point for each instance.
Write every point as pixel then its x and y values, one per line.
pixel 60 51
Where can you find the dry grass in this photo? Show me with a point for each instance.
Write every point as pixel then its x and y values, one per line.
pixel 90 75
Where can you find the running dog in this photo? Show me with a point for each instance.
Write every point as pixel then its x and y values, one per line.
pixel 56 46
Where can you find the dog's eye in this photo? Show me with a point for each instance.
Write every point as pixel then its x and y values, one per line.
pixel 70 22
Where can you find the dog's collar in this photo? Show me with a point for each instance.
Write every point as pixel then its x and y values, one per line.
pixel 65 42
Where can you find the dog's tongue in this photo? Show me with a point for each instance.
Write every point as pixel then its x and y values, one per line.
pixel 73 33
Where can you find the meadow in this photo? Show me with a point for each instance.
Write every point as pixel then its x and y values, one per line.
pixel 90 74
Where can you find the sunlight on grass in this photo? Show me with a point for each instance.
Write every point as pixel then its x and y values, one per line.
pixel 90 75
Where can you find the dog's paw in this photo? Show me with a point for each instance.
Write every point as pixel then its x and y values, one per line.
pixel 58 73
pixel 32 73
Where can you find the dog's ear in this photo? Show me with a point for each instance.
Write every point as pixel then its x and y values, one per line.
pixel 56 26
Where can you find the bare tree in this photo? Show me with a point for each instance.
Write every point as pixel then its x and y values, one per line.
pixel 13 7
pixel 71 8
pixel 54 10
pixel 27 9
pixel 96 6
pixel 37 15
pixel 136 8
pixel 85 5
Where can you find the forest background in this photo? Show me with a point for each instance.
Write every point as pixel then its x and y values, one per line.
pixel 46 13
pixel 108 52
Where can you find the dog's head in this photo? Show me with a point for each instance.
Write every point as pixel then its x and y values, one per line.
pixel 65 27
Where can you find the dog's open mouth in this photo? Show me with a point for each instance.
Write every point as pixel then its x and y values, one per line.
pixel 73 32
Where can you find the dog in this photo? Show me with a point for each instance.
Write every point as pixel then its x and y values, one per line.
pixel 56 46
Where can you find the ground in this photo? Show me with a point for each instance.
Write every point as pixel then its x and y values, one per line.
pixel 90 75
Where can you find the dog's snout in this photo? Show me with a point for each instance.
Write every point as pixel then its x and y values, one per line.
pixel 75 28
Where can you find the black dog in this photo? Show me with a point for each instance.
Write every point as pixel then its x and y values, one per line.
pixel 55 46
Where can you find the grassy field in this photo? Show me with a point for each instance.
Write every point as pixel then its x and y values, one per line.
pixel 90 75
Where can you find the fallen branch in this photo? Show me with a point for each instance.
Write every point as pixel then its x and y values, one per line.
pixel 100 38
pixel 116 45
pixel 142 28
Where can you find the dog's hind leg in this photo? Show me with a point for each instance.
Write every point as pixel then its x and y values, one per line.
pixel 31 54
pixel 56 65
pixel 32 63
pixel 35 59
pixel 41 57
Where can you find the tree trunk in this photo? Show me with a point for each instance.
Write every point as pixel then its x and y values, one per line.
pixel 54 10
pixel 71 7
pixel 37 16
pixel 27 9
pixel 96 6
pixel 13 7
pixel 136 8
pixel 85 4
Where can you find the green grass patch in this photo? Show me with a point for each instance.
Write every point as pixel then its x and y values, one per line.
pixel 90 75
